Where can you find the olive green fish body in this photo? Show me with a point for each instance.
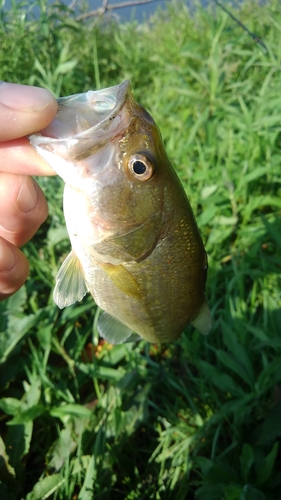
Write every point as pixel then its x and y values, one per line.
pixel 135 243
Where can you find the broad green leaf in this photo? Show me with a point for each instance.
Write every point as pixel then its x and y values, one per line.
pixel 267 465
pixel 208 215
pixel 17 301
pixel 80 464
pixel 258 332
pixel 56 235
pixel 251 176
pixel 251 493
pixel 17 441
pixel 32 393
pixel 222 380
pixel 45 487
pixel 234 365
pixel 73 410
pixel 210 492
pixel 5 467
pixel 222 472
pixel 87 490
pixel 63 448
pixel 65 67
pixel 246 460
pixel 208 191
pixel 270 430
pixel 232 492
pixel 236 348
pixel 103 372
pixel 18 327
pixel 28 415
pixel 10 405
pixel 204 463
pixel 117 353
pixel 222 220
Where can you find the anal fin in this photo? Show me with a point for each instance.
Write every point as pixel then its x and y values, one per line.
pixel 203 320
pixel 113 331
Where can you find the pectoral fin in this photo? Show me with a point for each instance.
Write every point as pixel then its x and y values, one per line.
pixel 203 320
pixel 70 285
pixel 123 279
pixel 115 332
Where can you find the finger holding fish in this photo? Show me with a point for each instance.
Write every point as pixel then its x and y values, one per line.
pixel 23 207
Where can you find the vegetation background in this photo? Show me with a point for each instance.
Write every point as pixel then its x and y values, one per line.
pixel 199 418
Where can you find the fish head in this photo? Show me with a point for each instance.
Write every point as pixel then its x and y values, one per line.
pixel 108 148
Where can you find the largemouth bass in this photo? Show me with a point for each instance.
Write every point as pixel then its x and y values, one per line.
pixel 135 243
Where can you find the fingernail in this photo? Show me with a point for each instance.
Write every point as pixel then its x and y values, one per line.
pixel 28 196
pixel 7 258
pixel 24 97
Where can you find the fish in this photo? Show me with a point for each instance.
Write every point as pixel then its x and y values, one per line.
pixel 135 244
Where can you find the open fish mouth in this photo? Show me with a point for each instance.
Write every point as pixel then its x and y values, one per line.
pixel 85 122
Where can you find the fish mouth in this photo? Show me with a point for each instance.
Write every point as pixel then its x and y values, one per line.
pixel 85 122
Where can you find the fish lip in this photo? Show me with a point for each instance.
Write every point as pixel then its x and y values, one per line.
pixel 123 90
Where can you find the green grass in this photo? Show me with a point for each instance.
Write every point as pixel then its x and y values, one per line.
pixel 199 418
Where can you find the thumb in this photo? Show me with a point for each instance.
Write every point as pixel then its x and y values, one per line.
pixel 24 110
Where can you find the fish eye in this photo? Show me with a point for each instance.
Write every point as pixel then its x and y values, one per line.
pixel 141 167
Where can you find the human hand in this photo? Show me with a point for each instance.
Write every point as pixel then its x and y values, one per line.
pixel 23 207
